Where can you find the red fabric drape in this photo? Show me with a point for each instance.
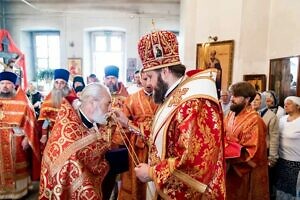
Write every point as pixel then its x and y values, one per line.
pixel 12 48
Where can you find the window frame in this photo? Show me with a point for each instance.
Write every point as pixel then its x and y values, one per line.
pixel 33 36
pixel 108 34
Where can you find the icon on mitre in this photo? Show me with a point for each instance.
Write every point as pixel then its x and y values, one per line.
pixel 157 50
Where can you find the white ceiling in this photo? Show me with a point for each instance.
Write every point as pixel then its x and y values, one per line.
pixel 134 6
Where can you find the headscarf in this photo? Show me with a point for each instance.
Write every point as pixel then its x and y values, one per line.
pixel 78 79
pixel 263 106
pixel 294 99
pixel 274 96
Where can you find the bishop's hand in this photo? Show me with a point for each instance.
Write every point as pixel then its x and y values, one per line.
pixel 121 117
pixel 142 172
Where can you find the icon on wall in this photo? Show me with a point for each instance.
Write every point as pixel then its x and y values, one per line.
pixel 131 68
pixel 74 67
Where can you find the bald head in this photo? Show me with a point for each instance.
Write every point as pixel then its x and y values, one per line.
pixel 225 96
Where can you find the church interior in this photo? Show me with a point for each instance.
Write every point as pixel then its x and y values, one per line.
pixel 252 40
pixel 263 39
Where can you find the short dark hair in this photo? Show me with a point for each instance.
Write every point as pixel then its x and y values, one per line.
pixel 244 89
pixel 177 70
pixel 92 76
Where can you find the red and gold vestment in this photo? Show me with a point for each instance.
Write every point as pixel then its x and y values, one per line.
pixel 17 120
pixel 119 97
pixel 140 109
pixel 74 165
pixel 247 176
pixel 117 101
pixel 49 111
pixel 186 155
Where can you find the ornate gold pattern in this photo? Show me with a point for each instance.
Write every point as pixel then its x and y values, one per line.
pixel 14 171
pixel 193 149
pixel 177 96
pixel 73 166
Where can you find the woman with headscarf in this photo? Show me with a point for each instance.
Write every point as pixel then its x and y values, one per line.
pixel 288 165
pixel 272 124
pixel 272 102
pixel 78 84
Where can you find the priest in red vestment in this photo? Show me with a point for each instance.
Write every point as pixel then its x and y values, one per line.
pixel 140 109
pixel 74 164
pixel 118 95
pixel 247 166
pixel 116 88
pixel 18 139
pixel 186 151
pixel 52 102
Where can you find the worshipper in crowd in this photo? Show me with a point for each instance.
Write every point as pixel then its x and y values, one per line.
pixel 74 164
pixel 78 84
pixel 52 102
pixel 225 102
pixel 35 98
pixel 136 86
pixel 118 93
pixel 288 165
pixel 247 174
pixel 92 78
pixel 140 109
pixel 18 139
pixel 272 124
pixel 78 81
pixel 272 102
pixel 78 90
pixel 186 149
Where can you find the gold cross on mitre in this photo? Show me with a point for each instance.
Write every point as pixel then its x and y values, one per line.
pixel 153 25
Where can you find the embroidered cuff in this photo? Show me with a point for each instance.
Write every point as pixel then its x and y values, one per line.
pixel 133 128
pixel 150 172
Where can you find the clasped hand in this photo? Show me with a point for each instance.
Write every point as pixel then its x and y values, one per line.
pixel 142 172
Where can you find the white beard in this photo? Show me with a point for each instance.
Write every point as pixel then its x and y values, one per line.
pixel 99 117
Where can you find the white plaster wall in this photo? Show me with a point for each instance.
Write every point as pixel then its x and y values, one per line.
pixel 241 21
pixel 222 19
pixel 187 42
pixel 252 47
pixel 74 26
pixel 203 18
pixel 261 30
pixel 284 29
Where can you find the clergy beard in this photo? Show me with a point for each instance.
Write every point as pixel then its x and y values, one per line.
pixel 99 117
pixel 57 96
pixel 237 108
pixel 160 90
pixel 8 95
pixel 113 88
